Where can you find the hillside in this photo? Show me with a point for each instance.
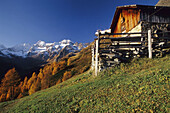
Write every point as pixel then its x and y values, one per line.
pixel 14 86
pixel 140 86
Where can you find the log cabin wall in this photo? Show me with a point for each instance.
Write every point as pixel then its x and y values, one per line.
pixel 155 14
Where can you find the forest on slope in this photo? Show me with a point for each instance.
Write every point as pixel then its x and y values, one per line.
pixel 12 86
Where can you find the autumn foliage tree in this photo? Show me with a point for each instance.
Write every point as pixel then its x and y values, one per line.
pixel 66 75
pixel 9 85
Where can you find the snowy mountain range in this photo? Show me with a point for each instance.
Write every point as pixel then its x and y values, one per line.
pixel 41 49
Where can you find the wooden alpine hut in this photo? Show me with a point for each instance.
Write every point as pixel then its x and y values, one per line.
pixel 135 31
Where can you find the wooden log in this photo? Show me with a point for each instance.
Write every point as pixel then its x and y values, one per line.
pixel 126 46
pixel 162 47
pixel 109 59
pixel 122 33
pixel 149 44
pixel 161 38
pixel 122 38
pixel 109 55
pixel 126 49
pixel 162 32
pixel 109 51
pixel 118 49
pixel 128 43
pixel 112 62
pixel 122 42
pixel 113 57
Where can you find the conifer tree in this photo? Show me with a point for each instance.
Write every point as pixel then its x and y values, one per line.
pixel 41 74
pixel 31 80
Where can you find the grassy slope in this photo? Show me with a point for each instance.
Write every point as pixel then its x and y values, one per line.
pixel 142 86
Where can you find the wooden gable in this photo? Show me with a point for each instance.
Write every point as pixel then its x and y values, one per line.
pixel 127 20
pixel 127 17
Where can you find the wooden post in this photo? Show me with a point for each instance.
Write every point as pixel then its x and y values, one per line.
pixel 93 64
pixel 97 54
pixel 96 60
pixel 149 44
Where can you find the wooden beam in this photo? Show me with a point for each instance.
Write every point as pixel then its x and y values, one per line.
pixel 126 46
pixel 110 51
pixel 162 47
pixel 122 42
pixel 161 38
pixel 124 38
pixel 149 44
pixel 122 33
pixel 119 49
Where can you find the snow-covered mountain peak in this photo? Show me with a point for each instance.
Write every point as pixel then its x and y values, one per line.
pixel 21 47
pixel 66 42
pixel 40 43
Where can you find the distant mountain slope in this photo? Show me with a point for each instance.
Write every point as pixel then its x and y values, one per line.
pixel 28 58
pixel 163 3
pixel 141 86
pixel 41 49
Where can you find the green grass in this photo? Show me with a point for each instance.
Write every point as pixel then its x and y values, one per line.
pixel 140 86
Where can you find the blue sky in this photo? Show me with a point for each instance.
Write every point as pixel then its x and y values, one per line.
pixel 27 21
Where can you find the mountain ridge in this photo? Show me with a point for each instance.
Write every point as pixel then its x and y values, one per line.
pixel 40 48
pixel 34 56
